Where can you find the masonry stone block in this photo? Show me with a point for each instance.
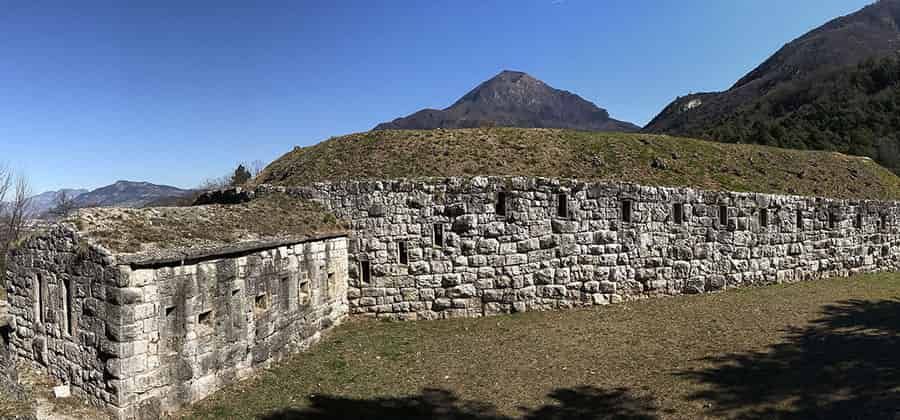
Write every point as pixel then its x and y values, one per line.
pixel 128 333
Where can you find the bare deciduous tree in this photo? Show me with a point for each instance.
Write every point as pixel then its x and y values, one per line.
pixel 210 184
pixel 5 184
pixel 63 204
pixel 256 167
pixel 15 210
pixel 19 209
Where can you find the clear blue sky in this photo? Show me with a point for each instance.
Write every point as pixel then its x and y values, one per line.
pixel 176 91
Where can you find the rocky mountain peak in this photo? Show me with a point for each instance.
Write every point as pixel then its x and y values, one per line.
pixel 514 99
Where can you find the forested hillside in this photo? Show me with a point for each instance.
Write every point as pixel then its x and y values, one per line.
pixel 854 110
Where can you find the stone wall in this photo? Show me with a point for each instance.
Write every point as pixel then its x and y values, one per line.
pixel 144 336
pixel 59 293
pixel 564 243
pixel 11 390
pixel 216 321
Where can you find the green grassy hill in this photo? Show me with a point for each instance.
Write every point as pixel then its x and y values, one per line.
pixel 640 158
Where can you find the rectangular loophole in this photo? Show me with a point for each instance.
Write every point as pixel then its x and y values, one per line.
pixel 763 217
pixel 678 213
pixel 261 302
pixel 402 249
pixel 303 293
pixel 438 230
pixel 365 268
pixel 39 299
pixel 626 211
pixel 883 222
pixel 67 306
pixel 284 292
pixel 832 220
pixel 500 205
pixel 171 319
pixel 205 318
pixel 562 205
pixel 858 223
pixel 723 216
pixel 70 319
pixel 328 285
pixel 799 219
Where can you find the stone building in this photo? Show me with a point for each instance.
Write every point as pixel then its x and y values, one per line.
pixel 143 311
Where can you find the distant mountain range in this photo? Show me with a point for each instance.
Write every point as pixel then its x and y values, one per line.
pixel 128 194
pixel 834 88
pixel 43 202
pixel 514 99
pixel 119 194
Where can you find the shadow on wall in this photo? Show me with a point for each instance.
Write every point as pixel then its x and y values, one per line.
pixel 584 402
pixel 845 365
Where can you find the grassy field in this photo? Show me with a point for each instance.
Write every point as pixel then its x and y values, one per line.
pixel 824 349
pixel 640 158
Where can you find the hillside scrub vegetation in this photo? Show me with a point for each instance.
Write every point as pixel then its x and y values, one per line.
pixel 854 110
pixel 639 158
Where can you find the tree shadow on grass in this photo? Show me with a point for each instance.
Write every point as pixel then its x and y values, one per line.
pixel 587 403
pixel 590 403
pixel 845 365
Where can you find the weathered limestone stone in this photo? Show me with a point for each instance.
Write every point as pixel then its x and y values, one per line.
pixel 142 336
pixel 465 223
pixel 538 260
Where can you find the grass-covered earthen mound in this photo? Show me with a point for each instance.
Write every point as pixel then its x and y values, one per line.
pixel 164 228
pixel 639 158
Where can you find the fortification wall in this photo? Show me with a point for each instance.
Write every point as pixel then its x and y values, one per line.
pixel 61 302
pixel 464 247
pixel 10 386
pixel 216 321
pixel 143 337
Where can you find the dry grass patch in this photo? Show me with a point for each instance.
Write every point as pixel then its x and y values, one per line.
pixel 640 158
pixel 824 349
pixel 149 229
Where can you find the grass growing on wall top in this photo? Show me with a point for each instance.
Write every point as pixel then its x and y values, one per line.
pixel 158 228
pixel 822 349
pixel 639 158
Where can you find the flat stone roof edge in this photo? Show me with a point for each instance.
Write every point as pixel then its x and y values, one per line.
pixel 175 256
